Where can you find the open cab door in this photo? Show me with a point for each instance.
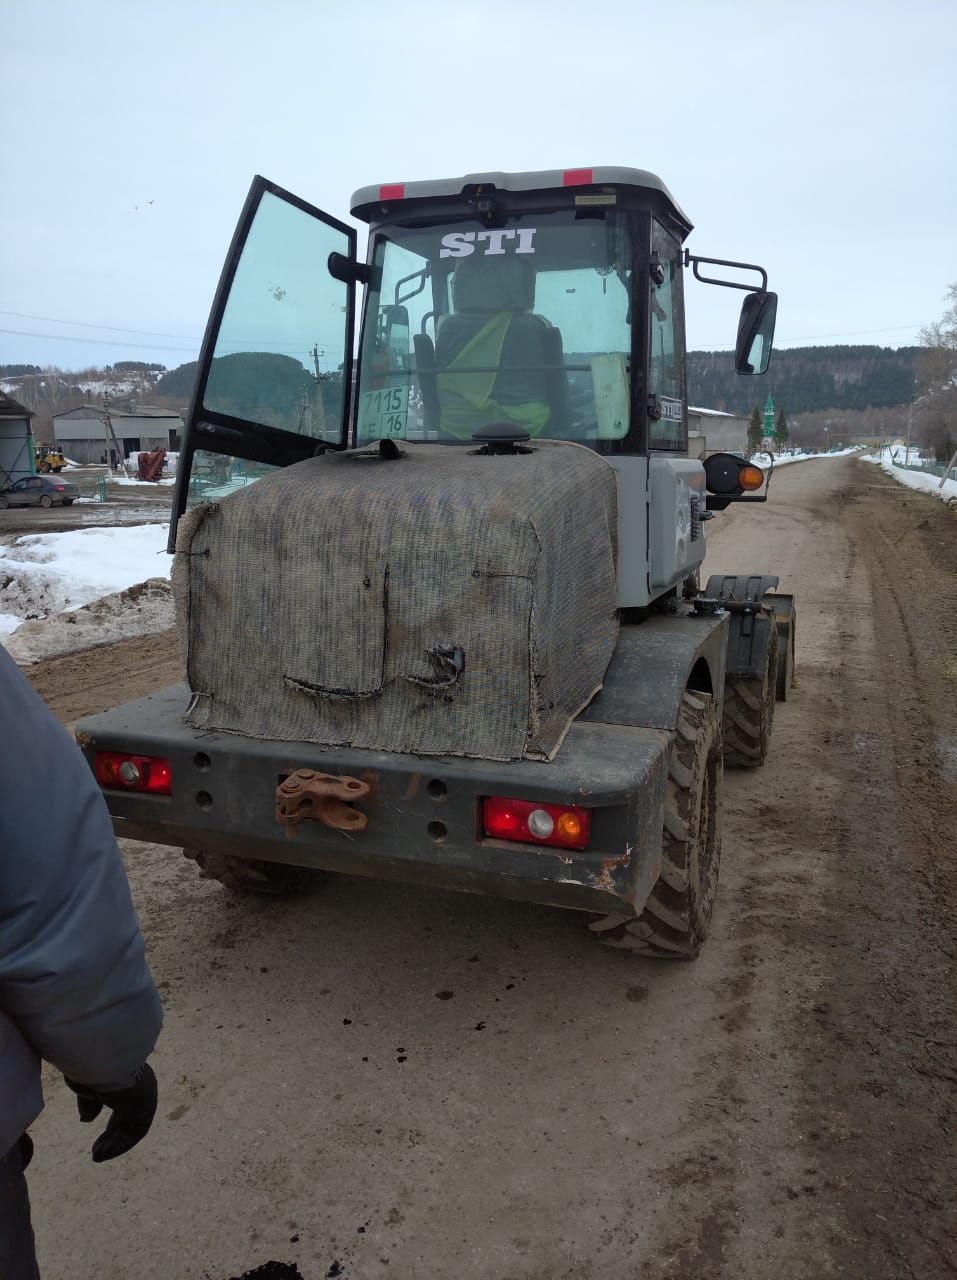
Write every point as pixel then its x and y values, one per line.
pixel 275 371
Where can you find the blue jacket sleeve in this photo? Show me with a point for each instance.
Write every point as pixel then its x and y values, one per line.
pixel 73 974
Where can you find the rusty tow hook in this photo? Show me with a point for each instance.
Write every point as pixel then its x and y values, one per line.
pixel 323 796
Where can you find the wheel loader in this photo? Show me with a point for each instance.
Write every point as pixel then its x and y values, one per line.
pixel 440 603
pixel 48 459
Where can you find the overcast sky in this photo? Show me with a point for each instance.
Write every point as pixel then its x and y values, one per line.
pixel 817 139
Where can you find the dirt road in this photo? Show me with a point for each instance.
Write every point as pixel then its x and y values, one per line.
pixel 382 1082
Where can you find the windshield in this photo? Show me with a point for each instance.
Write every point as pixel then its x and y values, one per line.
pixel 527 323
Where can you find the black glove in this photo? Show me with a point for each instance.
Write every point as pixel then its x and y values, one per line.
pixel 133 1110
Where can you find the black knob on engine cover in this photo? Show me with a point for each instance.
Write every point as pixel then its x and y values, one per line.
pixel 500 437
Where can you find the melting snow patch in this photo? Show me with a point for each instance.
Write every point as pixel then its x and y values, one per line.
pixel 49 573
pixel 926 482
pixel 142 610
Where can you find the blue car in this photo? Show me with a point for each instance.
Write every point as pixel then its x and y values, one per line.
pixel 39 491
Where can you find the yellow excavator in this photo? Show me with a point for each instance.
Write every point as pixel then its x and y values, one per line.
pixel 48 459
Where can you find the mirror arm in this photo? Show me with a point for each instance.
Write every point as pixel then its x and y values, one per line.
pixel 348 270
pixel 692 261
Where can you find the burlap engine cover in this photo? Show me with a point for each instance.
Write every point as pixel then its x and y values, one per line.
pixel 443 603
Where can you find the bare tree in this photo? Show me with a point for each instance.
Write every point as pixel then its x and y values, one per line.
pixel 937 375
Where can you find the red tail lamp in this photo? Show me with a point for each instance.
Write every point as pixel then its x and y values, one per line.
pixel 563 826
pixel 121 771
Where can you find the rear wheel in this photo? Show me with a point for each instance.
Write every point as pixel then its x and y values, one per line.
pixel 677 914
pixel 4 502
pixel 251 875
pixel 46 500
pixel 749 711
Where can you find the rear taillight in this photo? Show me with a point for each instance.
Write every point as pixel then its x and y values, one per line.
pixel 120 771
pixel 565 826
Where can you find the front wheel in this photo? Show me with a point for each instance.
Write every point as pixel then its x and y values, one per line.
pixel 251 875
pixel 675 920
pixel 46 501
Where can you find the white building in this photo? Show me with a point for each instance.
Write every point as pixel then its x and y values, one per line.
pixel 723 432
pixel 82 434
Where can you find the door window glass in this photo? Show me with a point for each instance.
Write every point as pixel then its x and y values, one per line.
pixel 281 343
pixel 216 475
pixel 666 374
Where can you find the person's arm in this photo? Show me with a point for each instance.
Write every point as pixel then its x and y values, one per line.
pixel 73 975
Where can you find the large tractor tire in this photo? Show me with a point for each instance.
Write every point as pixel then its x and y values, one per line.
pixel 749 711
pixel 250 875
pixel 675 920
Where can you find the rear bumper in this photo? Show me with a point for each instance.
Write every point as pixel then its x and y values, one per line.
pixel 424 812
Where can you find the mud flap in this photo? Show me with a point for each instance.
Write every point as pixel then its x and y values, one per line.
pixel 785 617
pixel 750 600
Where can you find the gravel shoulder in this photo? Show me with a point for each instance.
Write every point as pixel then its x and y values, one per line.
pixel 381 1081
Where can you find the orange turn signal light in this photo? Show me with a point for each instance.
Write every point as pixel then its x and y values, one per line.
pixel 750 478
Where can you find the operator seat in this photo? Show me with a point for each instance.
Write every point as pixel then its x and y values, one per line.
pixel 495 360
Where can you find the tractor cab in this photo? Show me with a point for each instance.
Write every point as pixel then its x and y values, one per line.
pixel 524 300
pixel 543 305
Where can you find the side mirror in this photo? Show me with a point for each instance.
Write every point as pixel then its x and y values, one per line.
pixel 752 351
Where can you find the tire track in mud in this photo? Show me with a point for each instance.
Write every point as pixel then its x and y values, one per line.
pixel 827 1151
pixel 81 684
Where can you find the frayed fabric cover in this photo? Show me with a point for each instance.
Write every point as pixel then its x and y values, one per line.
pixel 442 603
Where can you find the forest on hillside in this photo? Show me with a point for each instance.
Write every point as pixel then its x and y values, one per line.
pixel 828 393
pixel 807 379
pixel 801 380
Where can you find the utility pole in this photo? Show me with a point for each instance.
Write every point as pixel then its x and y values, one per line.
pixel 319 406
pixel 948 469
pixel 109 426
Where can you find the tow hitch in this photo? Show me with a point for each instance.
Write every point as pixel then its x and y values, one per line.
pixel 323 797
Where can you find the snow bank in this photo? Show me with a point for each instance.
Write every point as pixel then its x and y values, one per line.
pixel 142 610
pixel 926 482
pixel 51 573
pixel 763 460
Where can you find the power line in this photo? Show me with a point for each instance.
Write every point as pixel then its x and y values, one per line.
pixel 816 337
pixel 97 342
pixel 82 324
pixel 854 333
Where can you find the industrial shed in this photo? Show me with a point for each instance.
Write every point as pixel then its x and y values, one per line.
pixel 722 431
pixel 82 434
pixel 17 456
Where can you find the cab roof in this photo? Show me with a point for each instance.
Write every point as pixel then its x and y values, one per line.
pixel 367 203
